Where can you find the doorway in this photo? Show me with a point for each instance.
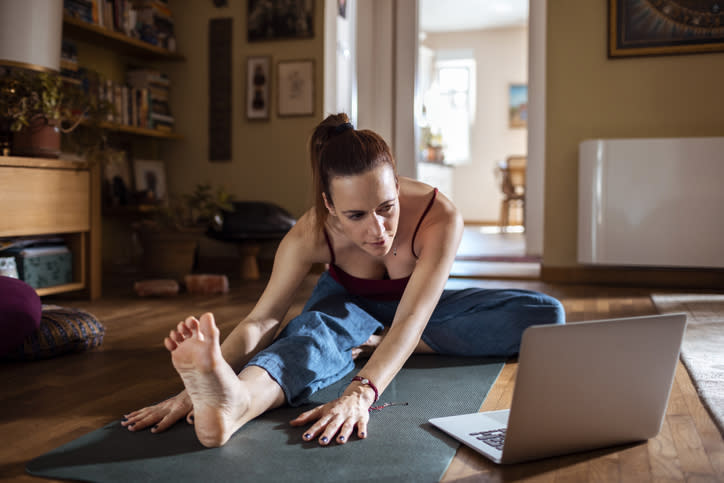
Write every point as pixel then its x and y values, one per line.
pixel 491 37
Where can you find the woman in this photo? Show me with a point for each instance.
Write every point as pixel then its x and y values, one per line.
pixel 389 243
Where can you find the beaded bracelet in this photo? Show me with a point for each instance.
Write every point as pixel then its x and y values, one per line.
pixel 367 382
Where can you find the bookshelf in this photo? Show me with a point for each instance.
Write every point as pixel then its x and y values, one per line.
pixel 112 54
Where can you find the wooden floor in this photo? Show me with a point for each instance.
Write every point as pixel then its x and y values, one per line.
pixel 48 403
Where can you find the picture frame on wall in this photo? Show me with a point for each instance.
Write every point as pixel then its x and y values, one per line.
pixel 664 27
pixel 258 81
pixel 518 106
pixel 150 180
pixel 295 88
pixel 280 19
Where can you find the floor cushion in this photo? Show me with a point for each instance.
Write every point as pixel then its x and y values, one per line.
pixel 62 330
pixel 20 309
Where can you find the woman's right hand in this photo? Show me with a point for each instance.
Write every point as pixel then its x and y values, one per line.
pixel 160 416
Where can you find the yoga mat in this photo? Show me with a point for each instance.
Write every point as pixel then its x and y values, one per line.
pixel 401 444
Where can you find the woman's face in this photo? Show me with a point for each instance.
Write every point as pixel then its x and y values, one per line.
pixel 367 208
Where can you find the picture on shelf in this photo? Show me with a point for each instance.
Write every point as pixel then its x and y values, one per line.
pixel 150 178
pixel 280 19
pixel 258 83
pixel 295 83
pixel 117 187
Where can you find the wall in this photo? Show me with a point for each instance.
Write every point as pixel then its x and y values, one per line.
pixel 501 59
pixel 269 158
pixel 591 96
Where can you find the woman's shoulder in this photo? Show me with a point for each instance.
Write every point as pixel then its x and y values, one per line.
pixel 306 240
pixel 418 195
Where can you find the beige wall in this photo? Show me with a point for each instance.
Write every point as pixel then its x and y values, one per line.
pixel 591 96
pixel 501 57
pixel 269 159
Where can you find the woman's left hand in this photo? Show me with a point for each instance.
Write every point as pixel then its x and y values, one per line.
pixel 338 418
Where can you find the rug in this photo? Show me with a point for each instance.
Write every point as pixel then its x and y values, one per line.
pixel 401 446
pixel 703 349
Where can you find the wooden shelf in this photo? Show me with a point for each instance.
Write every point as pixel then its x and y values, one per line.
pixel 55 289
pixel 120 43
pixel 140 131
pixel 23 162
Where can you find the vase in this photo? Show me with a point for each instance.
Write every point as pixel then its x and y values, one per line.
pixel 169 253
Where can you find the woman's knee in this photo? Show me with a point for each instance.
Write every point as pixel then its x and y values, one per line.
pixel 552 310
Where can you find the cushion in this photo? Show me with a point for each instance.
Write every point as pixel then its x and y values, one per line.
pixel 20 309
pixel 62 330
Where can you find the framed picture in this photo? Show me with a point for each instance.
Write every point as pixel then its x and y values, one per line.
pixel 117 187
pixel 150 177
pixel 664 27
pixel 258 79
pixel 280 19
pixel 295 86
pixel 518 107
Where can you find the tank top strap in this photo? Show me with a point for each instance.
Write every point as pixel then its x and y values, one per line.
pixel 329 244
pixel 424 214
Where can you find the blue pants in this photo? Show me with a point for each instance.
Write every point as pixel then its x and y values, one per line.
pixel 315 349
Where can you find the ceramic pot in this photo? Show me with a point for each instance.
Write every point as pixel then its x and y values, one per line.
pixel 40 139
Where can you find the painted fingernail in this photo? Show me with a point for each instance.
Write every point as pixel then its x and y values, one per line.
pixel 191 418
pixel 324 439
pixel 307 436
pixel 362 435
pixel 341 438
pixel 155 427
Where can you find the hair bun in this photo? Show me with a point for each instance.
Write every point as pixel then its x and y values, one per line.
pixel 343 127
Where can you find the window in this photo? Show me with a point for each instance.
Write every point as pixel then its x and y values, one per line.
pixel 449 106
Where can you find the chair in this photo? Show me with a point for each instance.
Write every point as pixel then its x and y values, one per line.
pixel 512 184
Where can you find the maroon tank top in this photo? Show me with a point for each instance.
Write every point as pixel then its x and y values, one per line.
pixel 384 289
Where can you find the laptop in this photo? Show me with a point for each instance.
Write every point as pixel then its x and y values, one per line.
pixel 580 386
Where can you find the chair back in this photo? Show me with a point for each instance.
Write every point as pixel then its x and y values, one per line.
pixel 512 172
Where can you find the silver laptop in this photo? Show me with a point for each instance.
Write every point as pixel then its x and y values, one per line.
pixel 579 387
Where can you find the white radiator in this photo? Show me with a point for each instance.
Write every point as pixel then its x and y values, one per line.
pixel 651 202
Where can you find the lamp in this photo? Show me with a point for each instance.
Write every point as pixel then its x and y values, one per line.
pixel 31 34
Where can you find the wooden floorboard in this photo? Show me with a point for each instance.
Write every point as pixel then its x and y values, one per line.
pixel 45 404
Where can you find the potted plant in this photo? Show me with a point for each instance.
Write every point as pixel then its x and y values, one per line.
pixel 170 234
pixel 38 106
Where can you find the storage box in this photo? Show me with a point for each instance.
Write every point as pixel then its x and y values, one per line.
pixel 45 268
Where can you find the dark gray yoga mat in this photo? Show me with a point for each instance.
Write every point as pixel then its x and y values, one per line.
pixel 401 445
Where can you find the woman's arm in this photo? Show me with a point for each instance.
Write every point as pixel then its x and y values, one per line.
pixel 293 261
pixel 438 239
pixel 438 244
pixel 295 256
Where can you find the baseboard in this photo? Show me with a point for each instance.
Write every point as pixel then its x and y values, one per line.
pixel 636 276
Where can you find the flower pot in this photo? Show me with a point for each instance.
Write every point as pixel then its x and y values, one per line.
pixel 40 139
pixel 169 253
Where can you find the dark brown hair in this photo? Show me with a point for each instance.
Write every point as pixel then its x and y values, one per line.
pixel 337 149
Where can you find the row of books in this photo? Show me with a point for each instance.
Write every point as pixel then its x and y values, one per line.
pixel 150 21
pixel 142 101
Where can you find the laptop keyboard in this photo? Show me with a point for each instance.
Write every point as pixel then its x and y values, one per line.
pixel 494 437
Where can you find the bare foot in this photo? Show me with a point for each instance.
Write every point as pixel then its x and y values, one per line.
pixel 218 399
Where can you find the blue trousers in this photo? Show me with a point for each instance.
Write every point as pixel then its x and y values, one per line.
pixel 315 348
